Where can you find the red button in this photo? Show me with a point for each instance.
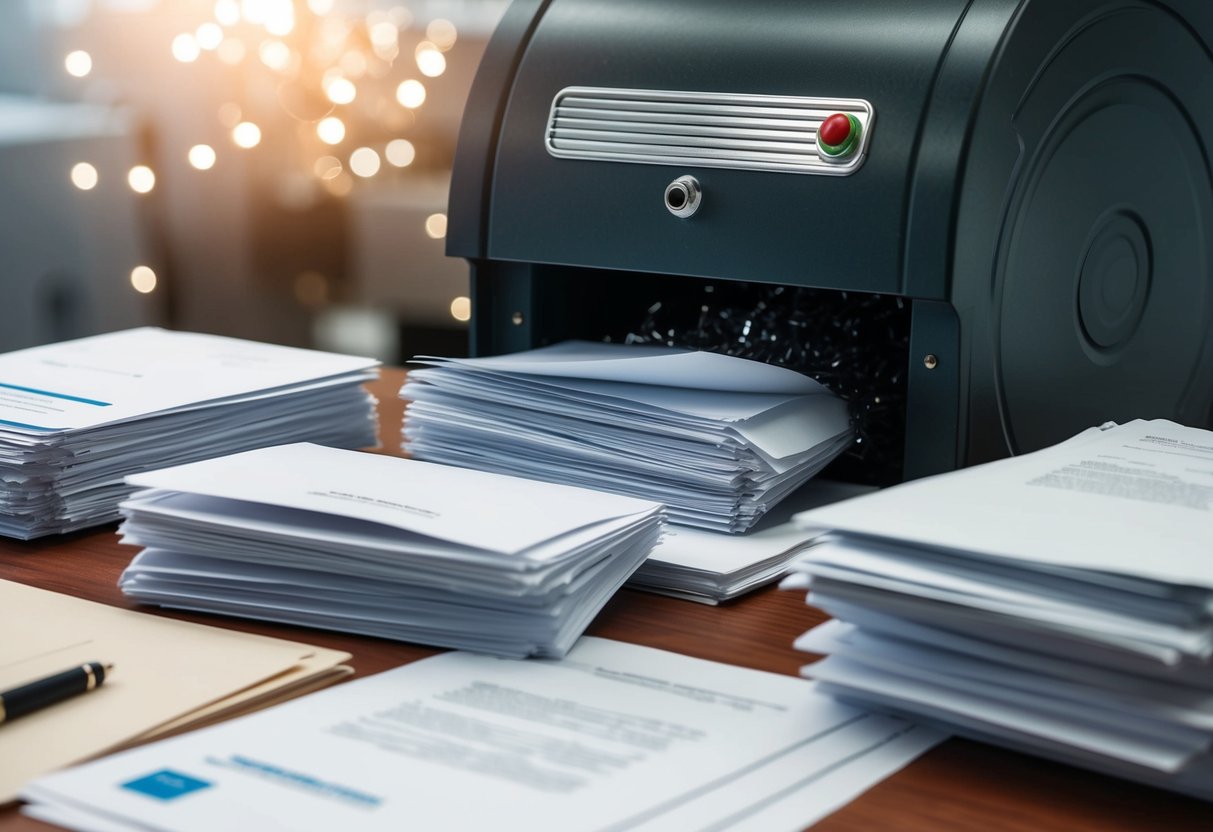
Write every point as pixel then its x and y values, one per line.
pixel 835 130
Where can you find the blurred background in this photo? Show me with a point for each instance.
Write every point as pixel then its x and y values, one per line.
pixel 267 169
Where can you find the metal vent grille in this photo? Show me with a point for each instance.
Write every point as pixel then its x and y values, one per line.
pixel 719 130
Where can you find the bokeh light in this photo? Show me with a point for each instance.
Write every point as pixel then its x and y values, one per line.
pixel 227 12
pixel 441 33
pixel 430 59
pixel 209 36
pixel 231 51
pixel 141 179
pixel 246 134
pixel 341 91
pixel 143 279
pixel 339 185
pixel 384 34
pixel 411 94
pixel 84 176
pixel 364 162
pixel 185 48
pixel 327 167
pixel 78 63
pixel 435 226
pixel 461 309
pixel 277 16
pixel 331 130
pixel 400 152
pixel 281 21
pixel 275 54
pixel 202 156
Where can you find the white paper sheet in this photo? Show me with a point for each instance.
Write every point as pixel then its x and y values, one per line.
pixel 665 366
pixel 384 546
pixel 614 737
pixel 124 375
pixel 1133 500
pixel 718 439
pixel 710 567
pixel 432 500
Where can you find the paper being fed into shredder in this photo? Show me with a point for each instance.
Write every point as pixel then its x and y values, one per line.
pixel 985 223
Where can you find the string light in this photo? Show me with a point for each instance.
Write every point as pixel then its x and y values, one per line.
pixel 435 226
pixel 143 280
pixel 84 176
pixel 78 63
pixel 400 152
pixel 202 156
pixel 246 134
pixel 141 179
pixel 411 94
pixel 331 130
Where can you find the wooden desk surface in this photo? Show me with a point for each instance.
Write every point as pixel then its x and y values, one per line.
pixel 960 785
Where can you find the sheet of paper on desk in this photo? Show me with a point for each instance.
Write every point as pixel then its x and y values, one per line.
pixel 167 675
pixel 613 737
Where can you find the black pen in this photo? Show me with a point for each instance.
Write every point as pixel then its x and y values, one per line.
pixel 27 698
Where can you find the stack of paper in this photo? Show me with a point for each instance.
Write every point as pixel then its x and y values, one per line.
pixel 77 417
pixel 710 567
pixel 613 737
pixel 167 676
pixel 384 547
pixel 1060 602
pixel 719 440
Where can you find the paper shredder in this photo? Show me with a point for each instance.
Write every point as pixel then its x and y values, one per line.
pixel 985 222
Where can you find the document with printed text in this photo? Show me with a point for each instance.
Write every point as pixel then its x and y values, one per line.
pixel 613 737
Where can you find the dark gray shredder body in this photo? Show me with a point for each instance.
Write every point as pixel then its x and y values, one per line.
pixel 1034 184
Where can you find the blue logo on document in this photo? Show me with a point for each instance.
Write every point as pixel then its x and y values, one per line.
pixel 166 784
